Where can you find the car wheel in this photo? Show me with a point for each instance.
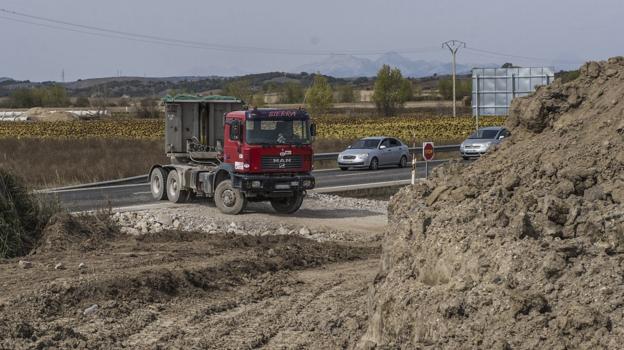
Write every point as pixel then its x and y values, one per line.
pixel 403 162
pixel 374 164
pixel 344 168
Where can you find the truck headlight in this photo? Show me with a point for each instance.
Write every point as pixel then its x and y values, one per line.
pixel 307 183
pixel 256 184
pixel 294 183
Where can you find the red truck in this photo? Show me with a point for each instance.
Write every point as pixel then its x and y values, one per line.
pixel 234 156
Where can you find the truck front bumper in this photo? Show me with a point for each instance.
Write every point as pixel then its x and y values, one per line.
pixel 263 184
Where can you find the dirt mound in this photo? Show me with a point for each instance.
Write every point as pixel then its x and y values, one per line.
pixel 47 115
pixel 87 232
pixel 524 248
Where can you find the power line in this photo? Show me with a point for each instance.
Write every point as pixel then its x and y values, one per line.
pixel 112 33
pixel 530 58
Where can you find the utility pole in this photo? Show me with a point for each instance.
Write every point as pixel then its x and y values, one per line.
pixel 454 46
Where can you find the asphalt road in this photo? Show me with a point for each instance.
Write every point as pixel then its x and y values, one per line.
pixel 134 194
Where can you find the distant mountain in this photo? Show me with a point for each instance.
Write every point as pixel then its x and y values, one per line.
pixel 3 79
pixel 350 66
pixel 342 66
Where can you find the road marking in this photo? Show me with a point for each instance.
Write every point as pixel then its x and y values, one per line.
pixel 140 193
pixel 325 170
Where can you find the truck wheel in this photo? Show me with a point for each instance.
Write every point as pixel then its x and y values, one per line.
pixel 158 181
pixel 228 199
pixel 403 162
pixel 174 188
pixel 287 205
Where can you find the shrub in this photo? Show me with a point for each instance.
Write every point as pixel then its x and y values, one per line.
pixel 22 216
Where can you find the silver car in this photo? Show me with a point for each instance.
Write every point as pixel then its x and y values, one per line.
pixel 479 142
pixel 374 152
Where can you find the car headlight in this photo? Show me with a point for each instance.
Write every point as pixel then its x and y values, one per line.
pixel 487 144
pixel 461 146
pixel 362 155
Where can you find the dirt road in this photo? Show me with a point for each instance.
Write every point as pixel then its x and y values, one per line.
pixel 176 289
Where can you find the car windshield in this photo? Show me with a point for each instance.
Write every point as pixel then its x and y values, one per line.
pixel 365 144
pixel 484 134
pixel 277 132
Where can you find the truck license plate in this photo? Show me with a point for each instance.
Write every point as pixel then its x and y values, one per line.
pixel 282 186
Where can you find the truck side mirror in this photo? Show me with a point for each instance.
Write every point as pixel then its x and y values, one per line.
pixel 235 131
pixel 313 129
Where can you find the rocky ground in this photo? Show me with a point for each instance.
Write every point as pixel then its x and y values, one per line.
pixel 524 248
pixel 186 277
pixel 322 217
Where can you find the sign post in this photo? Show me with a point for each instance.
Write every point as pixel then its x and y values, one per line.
pixel 414 168
pixel 427 155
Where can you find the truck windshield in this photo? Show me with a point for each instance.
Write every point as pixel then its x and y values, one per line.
pixel 277 132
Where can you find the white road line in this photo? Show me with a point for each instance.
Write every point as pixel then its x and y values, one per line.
pixel 324 170
pixel 140 193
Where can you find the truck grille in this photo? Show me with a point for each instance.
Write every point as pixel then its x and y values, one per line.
pixel 290 162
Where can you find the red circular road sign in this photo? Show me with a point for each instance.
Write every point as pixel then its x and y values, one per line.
pixel 428 150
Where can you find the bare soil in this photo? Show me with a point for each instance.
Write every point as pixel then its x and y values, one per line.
pixel 524 248
pixel 181 290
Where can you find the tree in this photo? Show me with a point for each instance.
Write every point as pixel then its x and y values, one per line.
pixel 258 100
pixel 292 93
pixel 463 88
pixel 391 90
pixel 240 89
pixel 508 65
pixel 148 108
pixel 346 94
pixel 319 97
pixel 82 101
pixel 50 96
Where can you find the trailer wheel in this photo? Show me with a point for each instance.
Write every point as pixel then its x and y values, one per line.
pixel 287 205
pixel 228 199
pixel 158 181
pixel 174 188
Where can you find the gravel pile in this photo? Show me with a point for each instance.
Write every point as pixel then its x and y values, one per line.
pixel 205 219
pixel 524 248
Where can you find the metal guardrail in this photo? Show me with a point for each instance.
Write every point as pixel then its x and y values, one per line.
pixel 144 178
pixel 334 155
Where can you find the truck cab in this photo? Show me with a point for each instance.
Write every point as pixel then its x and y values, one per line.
pixel 257 155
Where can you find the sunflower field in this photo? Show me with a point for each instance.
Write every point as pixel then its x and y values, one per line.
pixel 335 127
pixel 406 128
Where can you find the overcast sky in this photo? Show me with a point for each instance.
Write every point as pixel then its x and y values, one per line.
pixel 553 32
